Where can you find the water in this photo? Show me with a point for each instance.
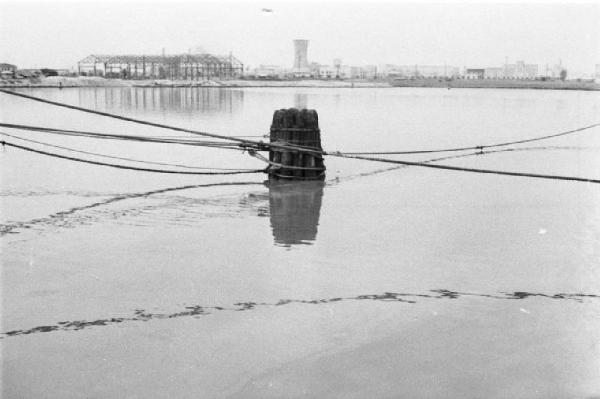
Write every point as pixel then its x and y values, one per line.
pixel 381 282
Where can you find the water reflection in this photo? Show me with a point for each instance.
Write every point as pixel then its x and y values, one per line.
pixel 169 207
pixel 294 210
pixel 179 100
pixel 293 207
pixel 300 100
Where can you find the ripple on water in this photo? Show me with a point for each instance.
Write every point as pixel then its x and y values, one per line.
pixel 200 310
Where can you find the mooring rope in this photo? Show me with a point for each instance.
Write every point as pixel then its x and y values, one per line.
pixel 303 178
pixel 244 144
pixel 291 148
pixel 462 169
pixel 81 133
pixel 125 118
pixel 157 139
pixel 119 158
pixel 479 147
pixel 275 165
pixel 5 143
pixel 260 145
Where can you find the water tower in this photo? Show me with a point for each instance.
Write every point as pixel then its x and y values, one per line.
pixel 300 55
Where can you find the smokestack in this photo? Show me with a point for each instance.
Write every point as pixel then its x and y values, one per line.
pixel 300 55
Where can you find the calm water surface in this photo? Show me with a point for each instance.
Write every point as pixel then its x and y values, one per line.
pixel 382 282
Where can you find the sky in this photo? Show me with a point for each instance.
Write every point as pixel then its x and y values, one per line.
pixel 474 34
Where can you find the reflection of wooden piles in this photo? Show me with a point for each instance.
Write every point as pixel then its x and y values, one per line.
pixel 296 127
pixel 295 209
pixel 181 100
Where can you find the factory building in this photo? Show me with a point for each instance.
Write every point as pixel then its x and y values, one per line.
pixel 8 70
pixel 474 73
pixel 519 70
pixel 175 67
pixel 419 71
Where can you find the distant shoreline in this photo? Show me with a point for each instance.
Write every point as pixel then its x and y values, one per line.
pixel 83 81
pixel 498 84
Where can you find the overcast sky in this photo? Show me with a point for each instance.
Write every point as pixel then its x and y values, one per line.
pixel 57 34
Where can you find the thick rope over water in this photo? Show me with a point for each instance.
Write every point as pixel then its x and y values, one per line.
pixel 149 139
pixel 479 147
pixel 275 165
pixel 119 158
pixel 177 172
pixel 261 146
pixel 461 169
pixel 242 143
pixel 125 118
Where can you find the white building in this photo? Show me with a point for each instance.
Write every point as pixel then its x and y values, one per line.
pixel 8 70
pixel 494 73
pixel 328 71
pixel 521 70
pixel 435 71
pixel 419 71
pixel 370 71
pixel 268 71
pixel 93 65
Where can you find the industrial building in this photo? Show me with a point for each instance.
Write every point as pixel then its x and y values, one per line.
pixel 419 71
pixel 474 73
pixel 267 72
pixel 8 70
pixel 519 70
pixel 174 67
